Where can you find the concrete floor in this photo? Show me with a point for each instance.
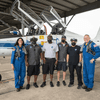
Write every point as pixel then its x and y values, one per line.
pixel 7 90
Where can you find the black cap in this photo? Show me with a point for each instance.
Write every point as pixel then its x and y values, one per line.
pixel 73 39
pixel 33 39
pixel 63 37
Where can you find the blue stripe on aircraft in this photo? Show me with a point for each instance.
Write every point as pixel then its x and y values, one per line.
pixel 12 45
pixel 7 44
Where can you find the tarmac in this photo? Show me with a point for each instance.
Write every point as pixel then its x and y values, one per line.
pixel 8 91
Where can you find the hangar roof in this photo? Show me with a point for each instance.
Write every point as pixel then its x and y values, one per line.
pixel 63 7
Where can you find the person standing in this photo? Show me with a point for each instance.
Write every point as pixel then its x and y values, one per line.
pixel 18 63
pixel 50 52
pixel 62 53
pixel 74 61
pixel 90 53
pixel 34 52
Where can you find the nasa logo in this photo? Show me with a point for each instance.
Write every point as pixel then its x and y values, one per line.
pixel 75 49
pixel 30 46
pixel 59 45
pixel 51 46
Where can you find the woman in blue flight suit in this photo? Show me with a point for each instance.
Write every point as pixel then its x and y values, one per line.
pixel 18 63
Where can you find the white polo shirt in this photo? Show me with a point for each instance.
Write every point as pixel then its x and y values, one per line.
pixel 50 50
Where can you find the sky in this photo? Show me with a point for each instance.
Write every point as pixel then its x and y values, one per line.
pixel 83 23
pixel 86 23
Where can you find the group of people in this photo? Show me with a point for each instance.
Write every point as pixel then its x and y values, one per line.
pixel 55 56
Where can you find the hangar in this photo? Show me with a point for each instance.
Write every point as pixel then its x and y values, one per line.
pixel 63 7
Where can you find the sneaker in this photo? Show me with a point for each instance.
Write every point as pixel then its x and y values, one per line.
pixel 79 87
pixel 64 83
pixel 43 84
pixel 58 83
pixel 51 84
pixel 18 89
pixel 27 86
pixel 70 85
pixel 88 89
pixel 35 84
pixel 84 87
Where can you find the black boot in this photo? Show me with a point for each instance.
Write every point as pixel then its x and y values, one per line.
pixel 84 87
pixel 79 87
pixel 43 84
pixel 70 85
pixel 18 89
pixel 21 87
pixel 88 89
pixel 64 83
pixel 51 84
pixel 58 83
pixel 27 86
pixel 35 84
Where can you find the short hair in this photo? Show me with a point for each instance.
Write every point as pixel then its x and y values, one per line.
pixel 73 39
pixel 33 39
pixel 50 36
pixel 87 35
pixel 63 36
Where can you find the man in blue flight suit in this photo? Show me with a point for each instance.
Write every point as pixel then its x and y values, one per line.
pixel 90 52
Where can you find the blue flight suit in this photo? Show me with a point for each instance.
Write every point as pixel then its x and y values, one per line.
pixel 19 67
pixel 89 68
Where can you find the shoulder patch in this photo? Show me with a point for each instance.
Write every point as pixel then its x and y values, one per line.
pixel 30 46
pixel 59 45
pixel 95 45
pixel 13 49
pixel 75 49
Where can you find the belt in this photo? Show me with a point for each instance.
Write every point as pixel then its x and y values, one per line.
pixel 49 58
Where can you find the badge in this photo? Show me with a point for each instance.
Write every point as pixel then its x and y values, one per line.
pixel 30 46
pixel 51 46
pixel 59 45
pixel 75 49
pixel 95 45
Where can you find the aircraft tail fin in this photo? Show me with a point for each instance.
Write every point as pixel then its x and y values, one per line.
pixel 97 37
pixel 98 34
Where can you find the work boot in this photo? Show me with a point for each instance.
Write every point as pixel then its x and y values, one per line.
pixel 84 87
pixel 27 86
pixel 79 87
pixel 58 83
pixel 51 84
pixel 43 84
pixel 88 89
pixel 35 84
pixel 64 83
pixel 70 85
pixel 21 87
pixel 18 89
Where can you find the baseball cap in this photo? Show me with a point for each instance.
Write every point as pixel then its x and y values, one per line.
pixel 73 39
pixel 64 36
